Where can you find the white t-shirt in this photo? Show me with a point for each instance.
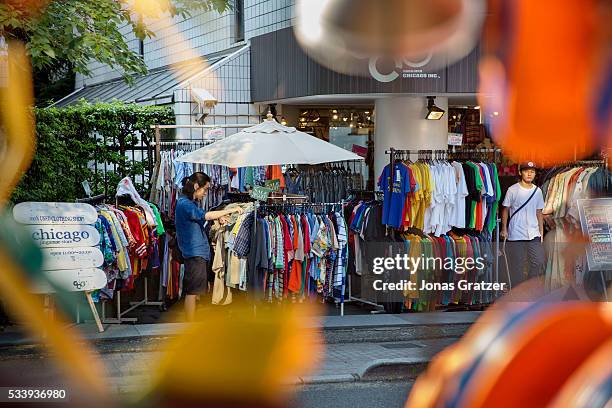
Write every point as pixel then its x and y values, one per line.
pixel 524 225
pixel 457 218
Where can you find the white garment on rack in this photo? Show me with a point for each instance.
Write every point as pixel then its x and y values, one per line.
pixel 428 210
pixel 580 191
pixel 126 187
pixel 449 198
pixel 457 218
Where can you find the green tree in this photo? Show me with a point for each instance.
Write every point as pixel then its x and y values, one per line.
pixel 63 36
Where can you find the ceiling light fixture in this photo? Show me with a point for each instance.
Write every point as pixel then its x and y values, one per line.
pixel 283 121
pixel 433 112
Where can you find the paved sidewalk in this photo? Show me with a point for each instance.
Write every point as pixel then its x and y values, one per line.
pixel 13 336
pixel 128 372
pixel 129 365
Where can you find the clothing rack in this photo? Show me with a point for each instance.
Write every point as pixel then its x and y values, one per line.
pixel 127 201
pixel 318 206
pixel 285 197
pixel 361 194
pixel 323 207
pixel 186 142
pixel 97 199
pixel 603 162
pixel 445 154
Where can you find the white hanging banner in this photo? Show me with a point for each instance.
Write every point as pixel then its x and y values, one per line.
pixel 49 236
pixel 71 258
pixel 73 280
pixel 55 213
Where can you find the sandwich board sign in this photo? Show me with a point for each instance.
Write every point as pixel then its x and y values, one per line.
pixel 71 258
pixel 64 236
pixel 73 280
pixel 596 222
pixel 55 213
pixel 68 241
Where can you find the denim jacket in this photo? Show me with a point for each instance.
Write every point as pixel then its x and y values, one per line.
pixel 190 235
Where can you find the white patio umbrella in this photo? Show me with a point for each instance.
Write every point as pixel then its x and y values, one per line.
pixel 268 143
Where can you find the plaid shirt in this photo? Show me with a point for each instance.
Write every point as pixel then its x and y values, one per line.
pixel 242 242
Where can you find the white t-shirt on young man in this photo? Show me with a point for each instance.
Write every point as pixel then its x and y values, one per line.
pixel 524 225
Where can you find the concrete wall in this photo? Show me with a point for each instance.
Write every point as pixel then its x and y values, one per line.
pixel 229 84
pixel 264 16
pixel 401 124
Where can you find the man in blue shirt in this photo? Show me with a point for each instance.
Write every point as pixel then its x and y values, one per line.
pixel 191 238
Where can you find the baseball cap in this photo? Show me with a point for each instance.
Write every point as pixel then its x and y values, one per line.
pixel 527 165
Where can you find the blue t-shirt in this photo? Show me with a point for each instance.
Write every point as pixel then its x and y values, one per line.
pixel 393 203
pixel 190 235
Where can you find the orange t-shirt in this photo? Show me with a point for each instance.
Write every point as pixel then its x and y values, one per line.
pixel 275 172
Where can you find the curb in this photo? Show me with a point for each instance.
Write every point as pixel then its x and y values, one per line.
pixel 377 370
pixel 394 370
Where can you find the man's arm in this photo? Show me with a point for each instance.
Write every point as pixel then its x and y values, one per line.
pixel 540 223
pixel 504 222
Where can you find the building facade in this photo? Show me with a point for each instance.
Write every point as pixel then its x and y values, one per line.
pixel 231 68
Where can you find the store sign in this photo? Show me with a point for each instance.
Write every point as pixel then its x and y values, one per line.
pixel 72 280
pixel 596 223
pixel 55 213
pixel 274 185
pixel 64 236
pixel 455 139
pixel 403 68
pixel 260 193
pixel 71 258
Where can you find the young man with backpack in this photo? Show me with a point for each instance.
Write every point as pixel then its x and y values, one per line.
pixel 523 225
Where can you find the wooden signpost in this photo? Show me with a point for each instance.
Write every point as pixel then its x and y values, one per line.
pixel 68 240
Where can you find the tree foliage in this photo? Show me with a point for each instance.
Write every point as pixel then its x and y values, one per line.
pixel 66 35
pixel 89 142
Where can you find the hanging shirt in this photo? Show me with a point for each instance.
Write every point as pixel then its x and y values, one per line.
pixel 394 202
